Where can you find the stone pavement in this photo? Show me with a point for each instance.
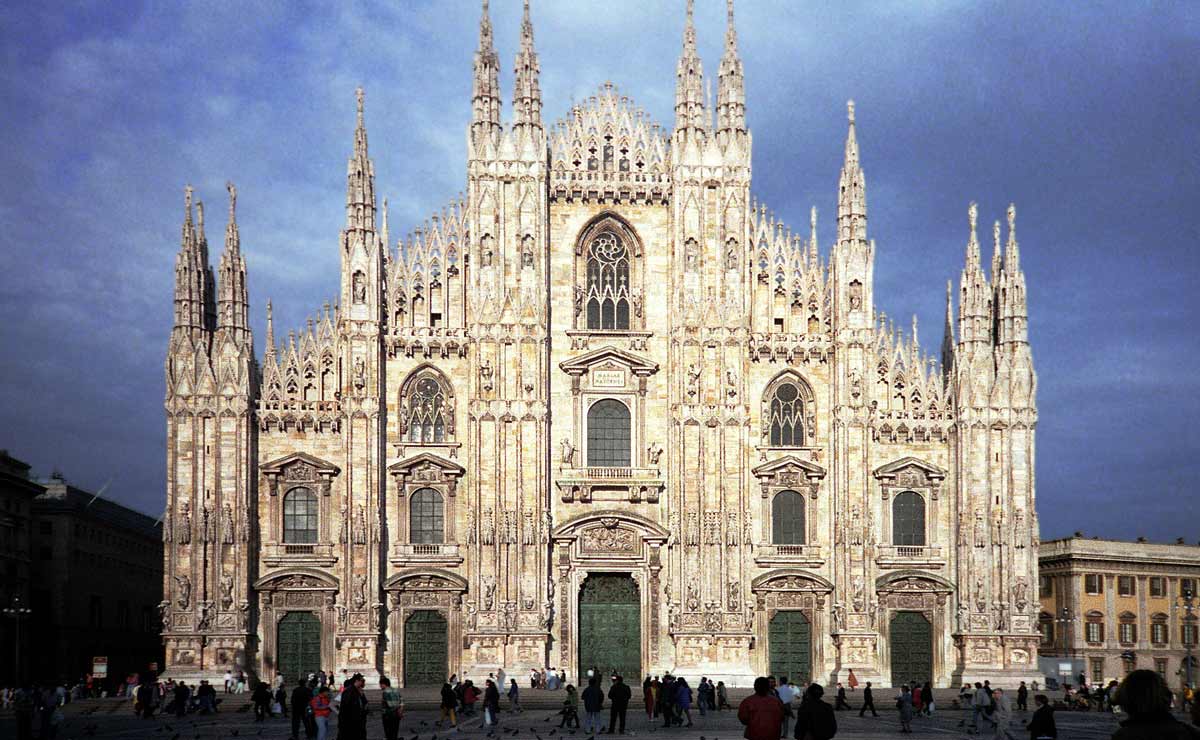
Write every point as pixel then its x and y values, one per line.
pixel 114 719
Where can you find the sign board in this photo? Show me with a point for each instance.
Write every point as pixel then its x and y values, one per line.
pixel 608 378
pixel 1064 669
pixel 100 666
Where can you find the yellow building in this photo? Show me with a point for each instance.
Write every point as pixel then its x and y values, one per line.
pixel 1111 607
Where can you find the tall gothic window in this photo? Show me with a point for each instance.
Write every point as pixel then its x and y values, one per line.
pixel 908 519
pixel 787 518
pixel 608 435
pixel 607 283
pixel 300 517
pixel 786 416
pixel 426 410
pixel 426 518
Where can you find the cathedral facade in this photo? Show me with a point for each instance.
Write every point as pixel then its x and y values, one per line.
pixel 606 411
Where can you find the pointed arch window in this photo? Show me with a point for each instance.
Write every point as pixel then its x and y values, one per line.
pixel 786 416
pixel 787 519
pixel 426 409
pixel 426 517
pixel 607 295
pixel 300 517
pixel 908 519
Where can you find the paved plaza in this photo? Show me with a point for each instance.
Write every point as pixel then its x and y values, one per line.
pixel 114 718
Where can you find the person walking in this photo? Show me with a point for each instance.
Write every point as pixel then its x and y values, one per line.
pixel 666 700
pixel 815 719
pixel 927 698
pixel 722 697
pixel 683 700
pixel 981 704
pixel 570 711
pixel 514 696
pixel 1023 697
pixel 229 682
pixel 1144 696
pixel 618 697
pixel 352 710
pixel 904 705
pixel 761 712
pixel 448 705
pixel 868 701
pixel 491 706
pixel 841 699
pixel 593 702
pixel 182 694
pixel 261 696
pixel 916 697
pixel 787 695
pixel 321 708
pixel 648 698
pixel 852 680
pixel 1001 715
pixel 301 696
pixel 1041 726
pixel 391 710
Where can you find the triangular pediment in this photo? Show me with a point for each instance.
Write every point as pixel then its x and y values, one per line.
pixel 789 463
pixel 425 461
pixel 892 469
pixel 297 459
pixel 581 364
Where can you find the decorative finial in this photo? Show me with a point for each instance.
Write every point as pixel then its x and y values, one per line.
pixel 358 95
pixel 973 216
pixel 812 220
pixel 850 110
pixel 187 200
pixel 996 236
pixel 1012 222
pixel 200 218
pixel 729 11
pixel 232 199
pixel 914 336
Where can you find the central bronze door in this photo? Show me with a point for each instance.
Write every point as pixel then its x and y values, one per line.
pixel 789 641
pixel 298 646
pixel 911 638
pixel 425 649
pixel 610 627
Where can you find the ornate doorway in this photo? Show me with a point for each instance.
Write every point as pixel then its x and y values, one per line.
pixel 789 641
pixel 298 645
pixel 911 638
pixel 610 632
pixel 425 649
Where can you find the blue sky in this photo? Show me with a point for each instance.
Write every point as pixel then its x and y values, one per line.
pixel 1084 114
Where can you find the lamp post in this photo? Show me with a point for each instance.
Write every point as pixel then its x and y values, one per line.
pixel 1188 632
pixel 17 613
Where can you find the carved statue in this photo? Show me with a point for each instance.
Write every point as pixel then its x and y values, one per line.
pixel 204 619
pixel 360 288
pixel 510 616
pixel 183 591
pixel 731 256
pixel 567 454
pixel 731 382
pixel 980 595
pixel 1001 611
pixel 579 295
pixel 693 378
pixel 360 525
pixel 859 594
pixel 1019 594
pixel 690 255
pixel 654 452
pixel 206 524
pixel 734 596
pixel 488 584
pixel 184 530
pixel 485 374
pixel 472 615
pixel 637 302
pixel 547 528
pixel 360 374
pixel 856 528
pixel 693 598
pixel 345 528
pixel 471 535
pixel 964 614
pixel 360 590
pixel 980 532
pixel 226 591
pixel 227 526
pixel 839 616
pixel 1018 538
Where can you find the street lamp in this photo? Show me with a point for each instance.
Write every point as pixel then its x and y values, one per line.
pixel 1188 631
pixel 17 612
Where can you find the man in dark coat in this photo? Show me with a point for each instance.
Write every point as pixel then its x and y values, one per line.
pixel 352 710
pixel 300 698
pixel 1041 726
pixel 868 702
pixel 761 712
pixel 815 719
pixel 619 694
pixel 593 702
pixel 1144 696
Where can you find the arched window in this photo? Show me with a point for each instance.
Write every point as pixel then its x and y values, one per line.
pixel 908 519
pixel 608 437
pixel 300 517
pixel 1127 628
pixel 426 410
pixel 426 518
pixel 787 518
pixel 786 416
pixel 607 294
pixel 1094 627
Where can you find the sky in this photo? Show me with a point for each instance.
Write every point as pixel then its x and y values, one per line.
pixel 1083 114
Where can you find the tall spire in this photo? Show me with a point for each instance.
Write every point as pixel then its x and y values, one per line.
pixel 974 310
pixel 1016 311
pixel 948 333
pixel 527 95
pixel 191 277
pixel 270 349
pixel 996 260
pixel 485 88
pixel 360 178
pixel 690 111
pixel 852 189
pixel 731 83
pixel 233 309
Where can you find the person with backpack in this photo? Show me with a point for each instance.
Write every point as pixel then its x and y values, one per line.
pixel 814 718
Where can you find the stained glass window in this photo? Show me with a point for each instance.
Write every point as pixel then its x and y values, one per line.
pixel 607 283
pixel 786 413
pixel 427 412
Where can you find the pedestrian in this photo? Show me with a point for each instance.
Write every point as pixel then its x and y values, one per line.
pixel 814 718
pixel 981 707
pixel 761 712
pixel 868 701
pixel 447 707
pixel 722 697
pixel 787 695
pixel 533 678
pixel 1041 726
pixel 182 694
pixel 841 699
pixel 852 680
pixel 702 695
pixel 1144 696
pixel 514 696
pixel 280 706
pixel 593 702
pixel 1023 697
pixel 683 700
pixel 321 707
pixel 470 695
pixel 927 698
pixel 391 709
pixel 352 709
pixel 1001 715
pixel 261 697
pixel 916 697
pixel 301 697
pixel 491 706
pixel 904 705
pixel 666 700
pixel 619 695
pixel 570 710
pixel 648 698
pixel 228 681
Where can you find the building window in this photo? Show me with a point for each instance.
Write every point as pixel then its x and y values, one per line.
pixel 1094 627
pixel 1046 628
pixel 1127 629
pixel 1126 586
pixel 608 434
pixel 1158 630
pixel 1045 585
pixel 607 283
pixel 1160 667
pixel 426 409
pixel 426 523
pixel 1187 634
pixel 787 416
pixel 1097 665
pixel 300 517
pixel 1093 583
pixel 1128 664
pixel 908 519
pixel 1187 586
pixel 787 518
pixel 1158 587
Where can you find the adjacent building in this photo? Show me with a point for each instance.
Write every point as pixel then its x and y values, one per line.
pixel 1109 607
pixel 605 410
pixel 97 584
pixel 17 492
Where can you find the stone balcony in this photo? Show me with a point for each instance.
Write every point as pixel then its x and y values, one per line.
pixel 910 556
pixel 318 555
pixel 610 484
pixel 783 556
pixel 440 553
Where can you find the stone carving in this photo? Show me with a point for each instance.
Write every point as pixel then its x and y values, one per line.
pixel 1001 612
pixel 488 587
pixel 712 527
pixel 980 594
pixel 566 452
pixel 579 296
pixel 360 288
pixel 998 523
pixel 839 616
pixel 856 526
pixel 731 382
pixel 734 596
pixel 360 525
pixel 227 527
pixel 637 302
pixel 529 530
pixel 360 591
pixel 964 529
pixel 509 612
pixel 964 614
pixel 485 374
pixel 226 591
pixel 859 594
pixel 360 374
pixel 1019 532
pixel 653 453
pixel 693 379
pixel 748 527
pixel 487 533
pixel 183 591
pixel 510 528
pixel 980 532
pixel 691 535
pixel 299 471
pixel 712 621
pixel 184 530
pixel 693 598
pixel 206 524
pixel 547 527
pixel 1020 589
pixel 204 616
pixel 608 539
pixel 472 536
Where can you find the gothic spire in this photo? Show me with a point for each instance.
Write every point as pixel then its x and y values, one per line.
pixel 360 178
pixel 1015 311
pixel 527 97
pixel 191 277
pixel 731 82
pixel 485 88
pixel 233 306
pixel 948 333
pixel 690 112
pixel 270 349
pixel 974 310
pixel 852 189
